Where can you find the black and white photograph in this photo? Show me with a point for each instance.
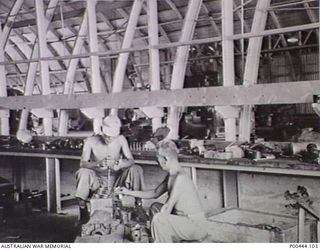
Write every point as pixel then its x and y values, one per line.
pixel 159 121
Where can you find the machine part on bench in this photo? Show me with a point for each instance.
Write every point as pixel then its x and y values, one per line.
pixel 99 224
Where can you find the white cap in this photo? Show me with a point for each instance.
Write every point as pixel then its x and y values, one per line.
pixel 111 125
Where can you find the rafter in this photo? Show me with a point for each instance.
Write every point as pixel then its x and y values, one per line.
pixel 9 22
pixel 180 64
pixel 69 82
pixel 252 65
pixel 311 15
pixel 127 42
pixel 213 23
pixel 283 41
pixel 174 8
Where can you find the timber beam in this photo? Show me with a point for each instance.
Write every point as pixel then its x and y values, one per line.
pixel 172 44
pixel 259 94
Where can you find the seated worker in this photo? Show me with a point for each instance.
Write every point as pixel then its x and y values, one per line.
pixel 100 153
pixel 182 216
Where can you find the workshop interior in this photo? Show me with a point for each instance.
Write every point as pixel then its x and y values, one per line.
pixel 93 88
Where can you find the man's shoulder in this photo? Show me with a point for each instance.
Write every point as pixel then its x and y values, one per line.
pixel 93 139
pixel 122 138
pixel 183 177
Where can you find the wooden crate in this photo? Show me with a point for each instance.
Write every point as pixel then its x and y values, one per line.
pixel 239 225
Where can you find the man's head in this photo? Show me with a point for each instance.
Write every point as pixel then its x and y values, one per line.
pixel 167 154
pixel 111 125
pixel 160 134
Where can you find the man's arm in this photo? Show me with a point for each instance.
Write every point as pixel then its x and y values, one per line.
pixel 86 153
pixel 148 194
pixel 129 161
pixel 174 195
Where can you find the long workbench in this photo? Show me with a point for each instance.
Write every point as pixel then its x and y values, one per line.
pixel 229 168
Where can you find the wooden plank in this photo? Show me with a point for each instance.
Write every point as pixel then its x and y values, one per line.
pixel 209 166
pixel 57 185
pixel 230 189
pixel 250 169
pixel 276 93
pixel 301 219
pixel 194 176
pixel 318 231
pixel 51 185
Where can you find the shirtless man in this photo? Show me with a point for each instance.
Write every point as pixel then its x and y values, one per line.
pixel 100 153
pixel 182 216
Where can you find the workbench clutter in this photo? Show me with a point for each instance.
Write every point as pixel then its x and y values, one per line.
pixel 114 218
pixel 261 151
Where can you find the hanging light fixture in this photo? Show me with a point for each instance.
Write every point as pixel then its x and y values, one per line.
pixel 293 39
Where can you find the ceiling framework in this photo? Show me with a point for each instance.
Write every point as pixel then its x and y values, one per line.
pixel 75 59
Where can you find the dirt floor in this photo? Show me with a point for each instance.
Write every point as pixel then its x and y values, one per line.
pixel 39 226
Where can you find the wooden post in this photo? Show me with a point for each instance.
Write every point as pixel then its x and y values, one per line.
pixel 301 218
pixel 127 42
pixel 4 35
pixel 51 184
pixel 229 114
pixel 318 231
pixel 180 63
pixel 252 65
pixel 63 119
pixel 44 65
pixel 45 80
pixel 228 63
pixel 57 184
pixel 154 69
pixel 194 176
pixel 4 114
pixel 230 189
pixel 95 64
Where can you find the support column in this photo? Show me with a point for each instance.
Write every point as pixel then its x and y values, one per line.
pixel 228 66
pixel 4 35
pixel 4 114
pixel 95 64
pixel 301 229
pixel 44 65
pixel 154 69
pixel 127 42
pixel 252 65
pixel 45 80
pixel 229 114
pixel 180 63
pixel 63 119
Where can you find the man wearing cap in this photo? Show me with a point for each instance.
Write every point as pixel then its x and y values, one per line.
pixel 103 152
